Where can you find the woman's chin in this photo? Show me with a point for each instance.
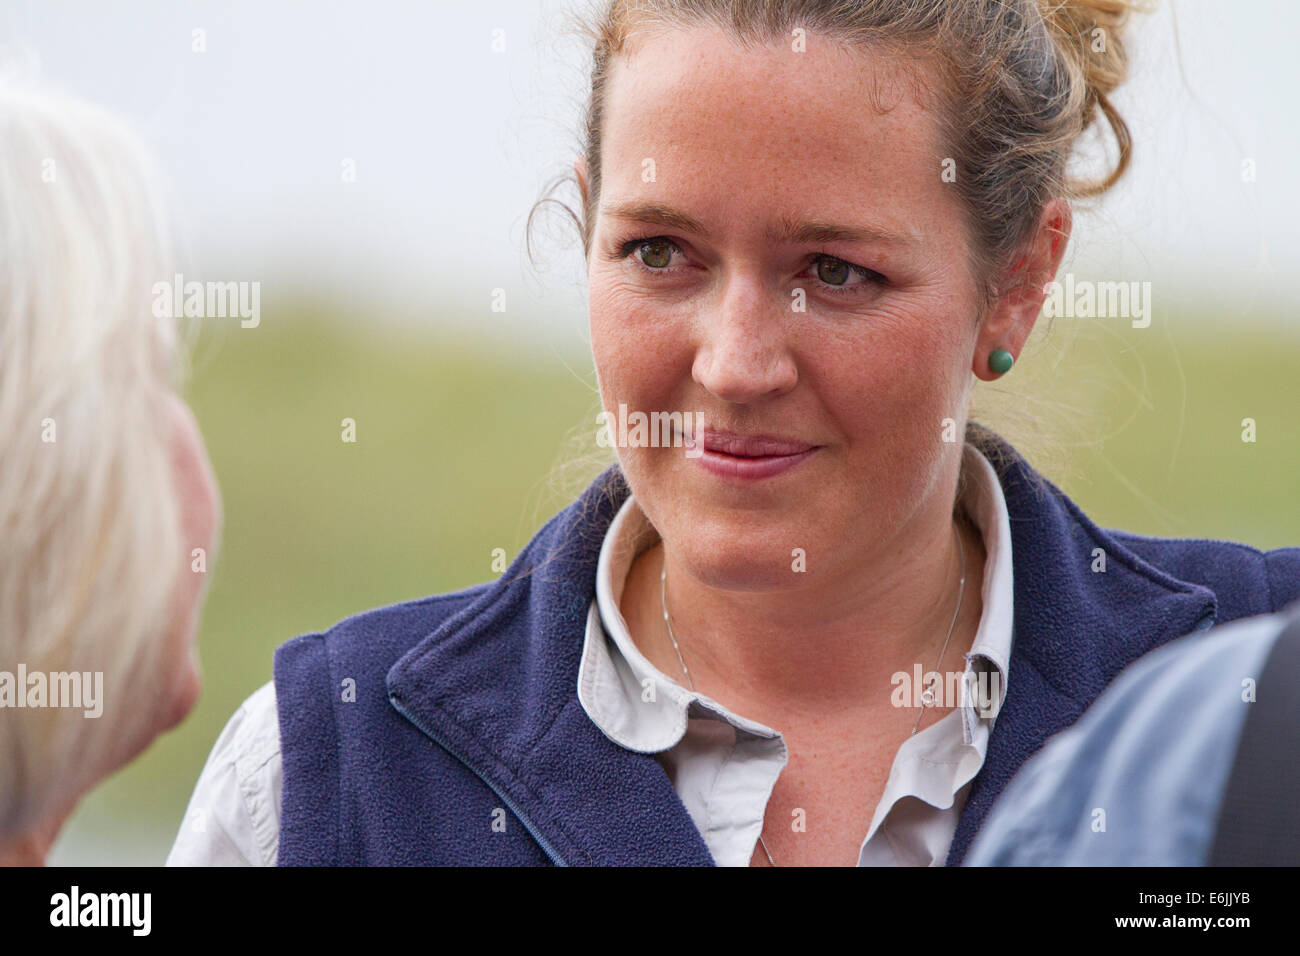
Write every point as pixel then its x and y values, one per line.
pixel 742 569
pixel 748 552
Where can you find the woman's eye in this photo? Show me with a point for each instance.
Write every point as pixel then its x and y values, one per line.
pixel 654 254
pixel 835 273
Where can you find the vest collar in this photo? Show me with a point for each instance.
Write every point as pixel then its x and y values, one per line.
pixel 496 683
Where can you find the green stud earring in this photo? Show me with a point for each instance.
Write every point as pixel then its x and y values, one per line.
pixel 1000 361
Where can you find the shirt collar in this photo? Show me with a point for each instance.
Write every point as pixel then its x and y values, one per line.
pixel 986 506
pixel 634 703
pixel 641 709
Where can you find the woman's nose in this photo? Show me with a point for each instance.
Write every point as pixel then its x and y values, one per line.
pixel 743 355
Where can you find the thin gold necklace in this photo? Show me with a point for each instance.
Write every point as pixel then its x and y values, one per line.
pixel 927 696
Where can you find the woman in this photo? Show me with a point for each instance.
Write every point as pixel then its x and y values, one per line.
pixel 807 224
pixel 108 505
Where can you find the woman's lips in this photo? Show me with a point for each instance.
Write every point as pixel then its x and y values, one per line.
pixel 750 457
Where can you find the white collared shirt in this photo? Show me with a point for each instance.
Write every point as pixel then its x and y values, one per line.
pixel 722 766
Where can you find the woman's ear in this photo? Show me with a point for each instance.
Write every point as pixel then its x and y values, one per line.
pixel 1012 315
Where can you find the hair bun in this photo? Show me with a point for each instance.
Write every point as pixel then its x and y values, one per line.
pixel 1089 37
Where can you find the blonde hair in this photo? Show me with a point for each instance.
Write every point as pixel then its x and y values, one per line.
pixel 90 540
pixel 1017 84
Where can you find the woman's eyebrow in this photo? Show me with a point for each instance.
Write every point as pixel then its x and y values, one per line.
pixel 819 230
pixel 787 231
pixel 655 213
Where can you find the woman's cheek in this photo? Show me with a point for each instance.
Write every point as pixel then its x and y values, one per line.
pixel 617 321
pixel 885 392
pixel 638 346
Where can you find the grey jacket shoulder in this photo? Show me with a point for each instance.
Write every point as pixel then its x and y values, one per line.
pixel 1139 779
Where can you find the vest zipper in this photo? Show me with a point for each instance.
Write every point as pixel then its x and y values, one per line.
pixel 514 808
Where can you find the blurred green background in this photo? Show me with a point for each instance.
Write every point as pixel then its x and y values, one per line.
pixel 469 442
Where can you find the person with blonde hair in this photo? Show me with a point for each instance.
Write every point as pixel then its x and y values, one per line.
pixel 109 510
pixel 809 226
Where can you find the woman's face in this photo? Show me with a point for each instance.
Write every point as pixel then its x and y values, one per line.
pixel 754 161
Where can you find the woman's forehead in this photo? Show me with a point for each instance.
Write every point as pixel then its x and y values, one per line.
pixel 711 67
pixel 698 106
pixel 694 121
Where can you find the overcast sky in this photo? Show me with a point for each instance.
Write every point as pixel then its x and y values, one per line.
pixel 453 142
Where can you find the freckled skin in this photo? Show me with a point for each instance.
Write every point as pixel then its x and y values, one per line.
pixel 868 376
pixel 741 138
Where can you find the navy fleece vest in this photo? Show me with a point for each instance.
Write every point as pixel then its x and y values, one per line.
pixel 466 743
